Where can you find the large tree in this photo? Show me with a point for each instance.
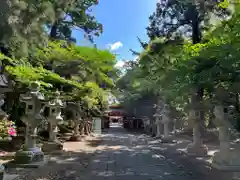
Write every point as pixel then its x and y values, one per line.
pixel 26 24
pixel 74 14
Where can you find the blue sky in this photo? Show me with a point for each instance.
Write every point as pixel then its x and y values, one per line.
pixel 123 21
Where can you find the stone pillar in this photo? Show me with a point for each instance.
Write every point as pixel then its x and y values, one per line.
pixel 76 128
pixel 197 148
pixel 158 125
pixel 166 129
pixel 31 136
pixel 53 132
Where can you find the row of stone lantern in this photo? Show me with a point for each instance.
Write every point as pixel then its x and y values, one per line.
pixel 35 104
pixel 227 158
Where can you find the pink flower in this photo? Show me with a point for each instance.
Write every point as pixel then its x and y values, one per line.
pixel 12 131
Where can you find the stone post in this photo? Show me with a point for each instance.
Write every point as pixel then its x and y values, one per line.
pixel 54 117
pixel 197 148
pixel 30 153
pixel 165 126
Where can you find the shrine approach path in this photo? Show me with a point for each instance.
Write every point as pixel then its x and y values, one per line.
pixel 122 155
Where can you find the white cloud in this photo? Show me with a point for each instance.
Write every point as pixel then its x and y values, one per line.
pixel 120 64
pixel 115 46
pixel 136 58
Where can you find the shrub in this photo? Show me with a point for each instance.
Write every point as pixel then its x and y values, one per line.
pixel 7 129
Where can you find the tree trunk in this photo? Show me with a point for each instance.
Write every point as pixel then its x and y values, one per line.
pixel 53 32
pixel 196 38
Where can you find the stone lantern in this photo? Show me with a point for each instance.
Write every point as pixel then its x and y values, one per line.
pixel 75 107
pixel 30 153
pixel 221 121
pixel 197 147
pixel 227 159
pixel 53 118
pixel 167 138
pixel 158 121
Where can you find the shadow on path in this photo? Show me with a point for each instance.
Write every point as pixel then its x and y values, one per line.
pixel 118 155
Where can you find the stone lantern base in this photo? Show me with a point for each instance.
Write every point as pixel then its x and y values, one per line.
pixel 228 161
pixel 197 150
pixel 29 156
pixel 77 138
pixel 52 146
pixel 168 139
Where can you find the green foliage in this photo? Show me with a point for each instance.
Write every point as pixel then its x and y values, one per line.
pixel 172 67
pixel 30 53
pixel 78 72
pixel 84 63
pixel 5 126
pixel 22 25
pixel 27 74
pixel 74 14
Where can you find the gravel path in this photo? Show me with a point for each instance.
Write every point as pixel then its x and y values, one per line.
pixel 121 156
